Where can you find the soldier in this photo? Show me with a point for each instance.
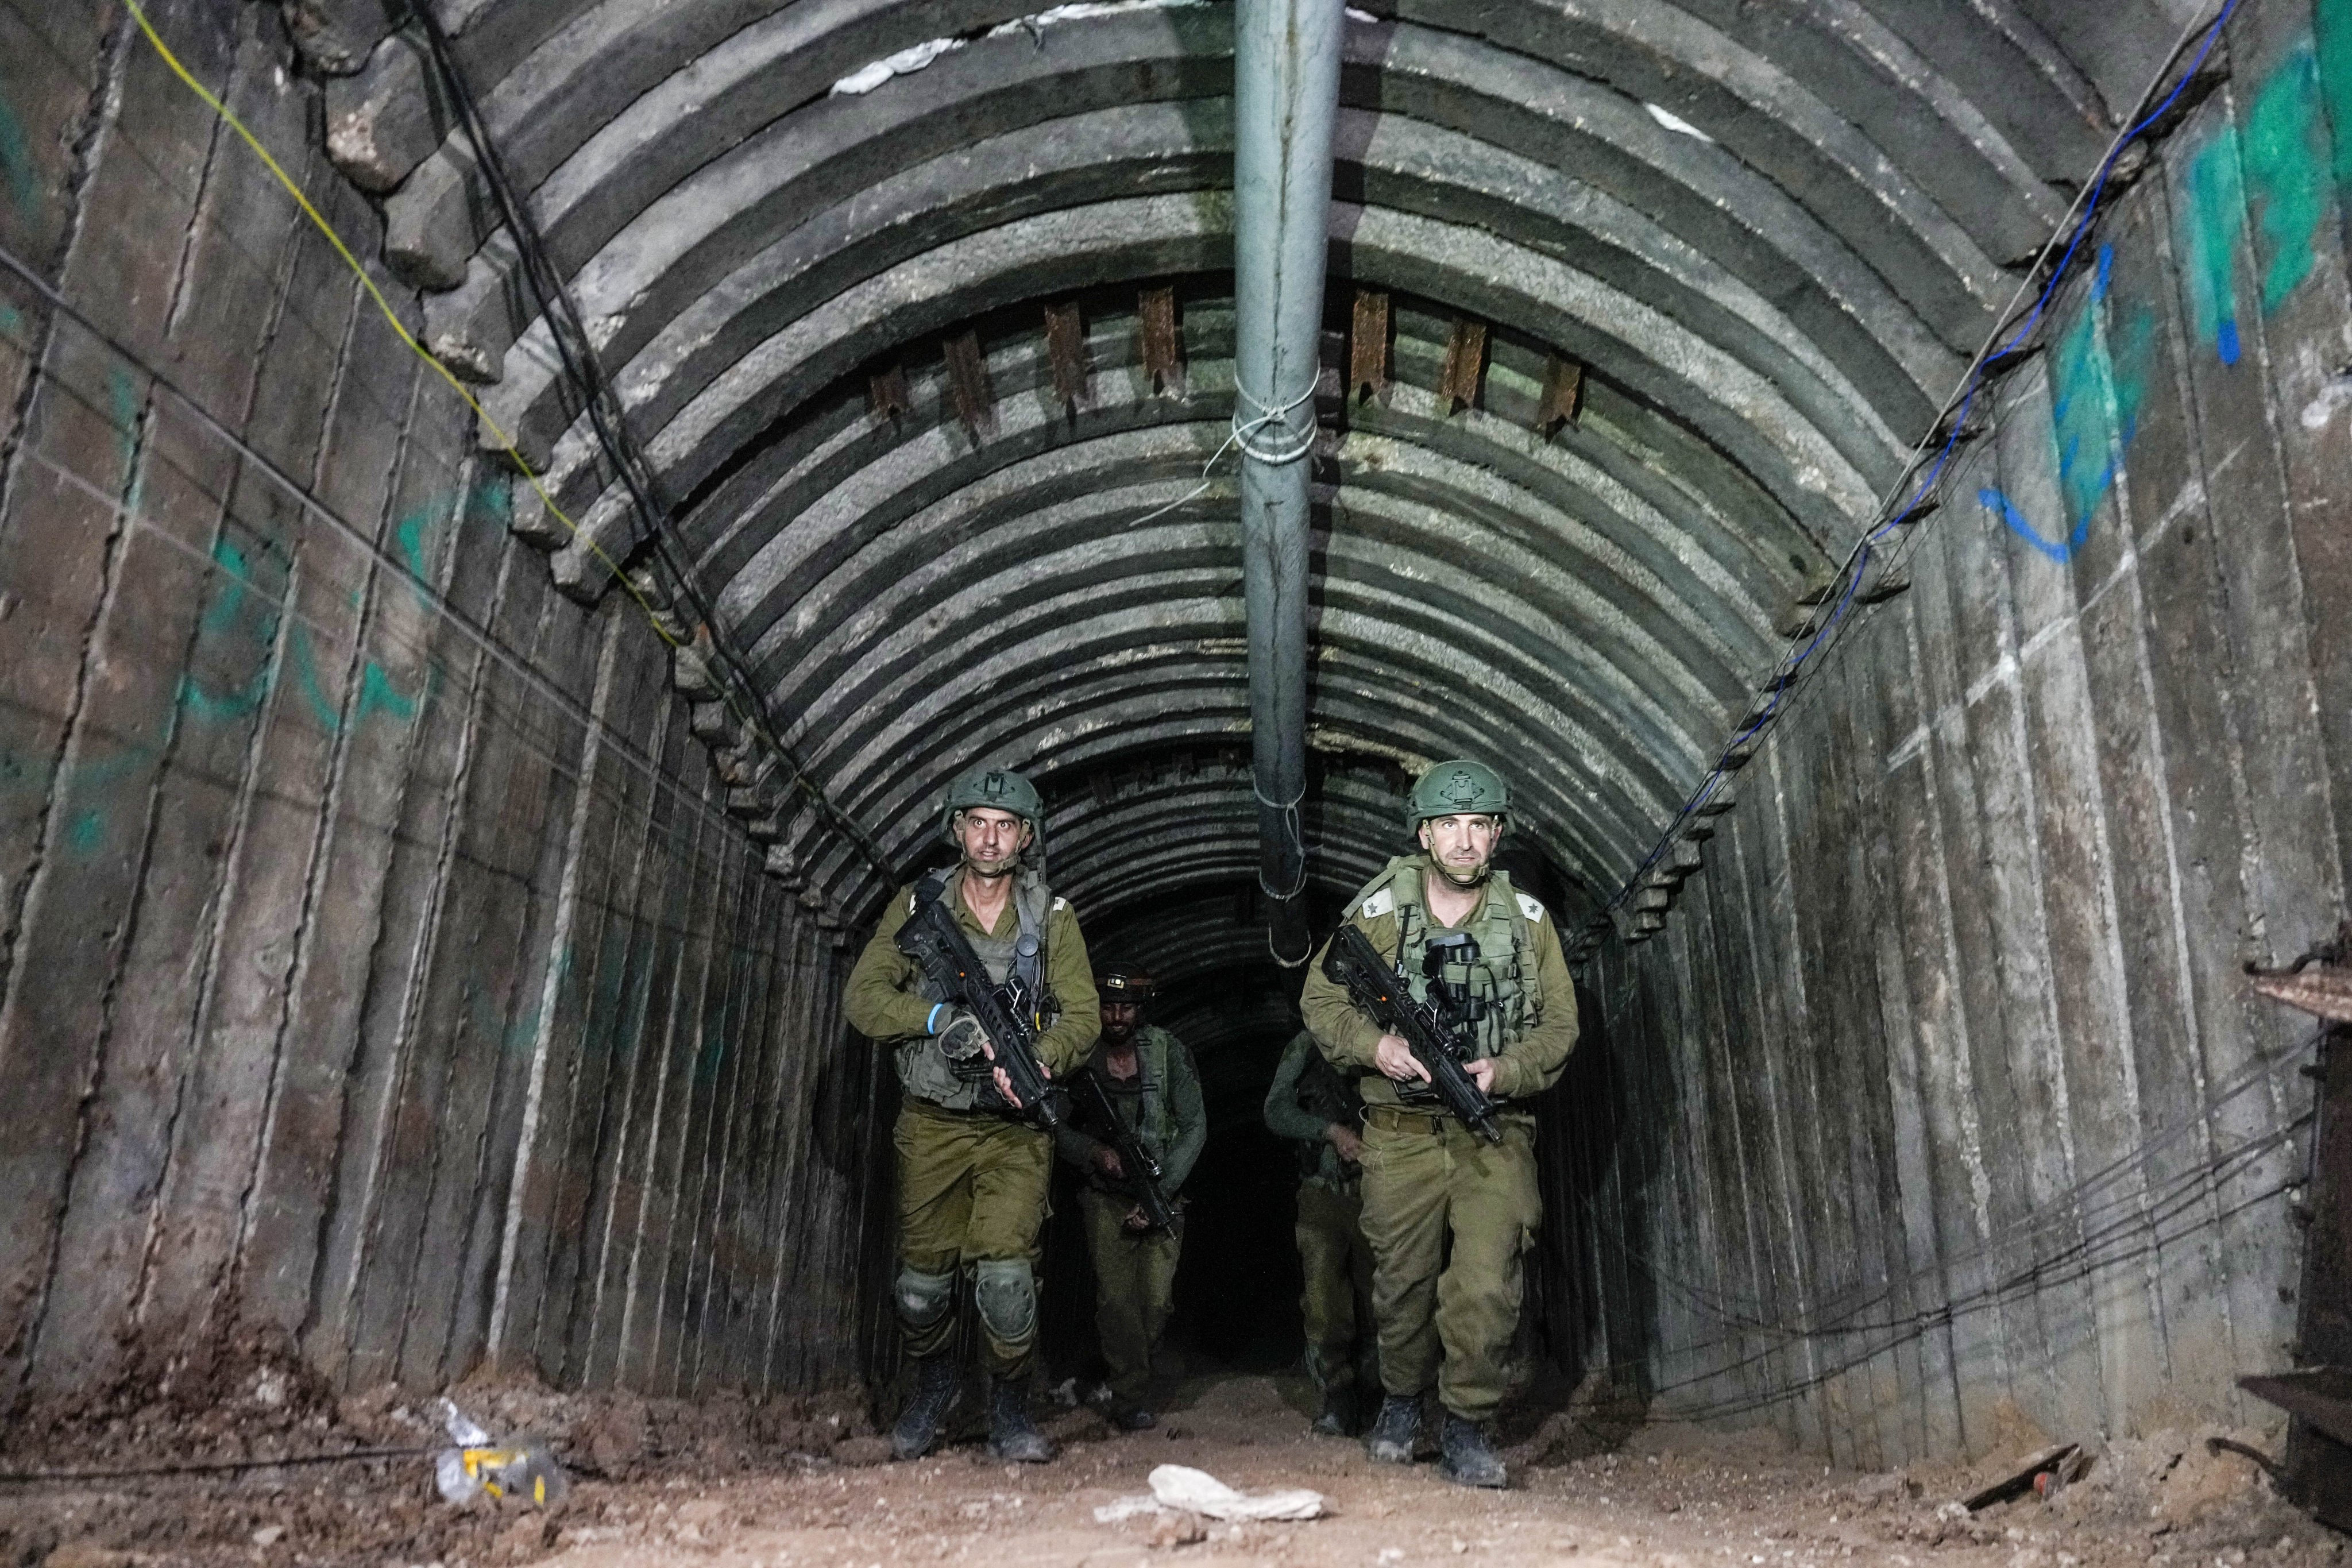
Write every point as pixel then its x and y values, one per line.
pixel 1313 1105
pixel 1448 1215
pixel 972 1174
pixel 1153 1088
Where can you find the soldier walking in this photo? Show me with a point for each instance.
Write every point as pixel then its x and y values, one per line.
pixel 971 1173
pixel 1317 1109
pixel 1449 1216
pixel 1153 1088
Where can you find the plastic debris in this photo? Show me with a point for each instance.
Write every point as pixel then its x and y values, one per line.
pixel 523 1468
pixel 1185 1490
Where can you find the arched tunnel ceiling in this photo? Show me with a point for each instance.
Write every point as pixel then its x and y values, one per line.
pixel 1771 236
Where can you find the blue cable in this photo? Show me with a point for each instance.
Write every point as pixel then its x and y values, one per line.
pixel 1858 562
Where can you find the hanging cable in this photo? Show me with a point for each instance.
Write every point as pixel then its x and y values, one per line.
pixel 1952 418
pixel 609 423
pixel 754 719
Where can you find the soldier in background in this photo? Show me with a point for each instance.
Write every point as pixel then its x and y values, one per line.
pixel 1153 1088
pixel 1311 1104
pixel 1449 1216
pixel 972 1175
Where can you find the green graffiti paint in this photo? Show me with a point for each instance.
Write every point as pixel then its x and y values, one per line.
pixel 2210 221
pixel 201 701
pixel 377 694
pixel 86 832
pixel 17 163
pixel 226 600
pixel 2333 47
pixel 2285 172
pixel 2081 413
pixel 314 691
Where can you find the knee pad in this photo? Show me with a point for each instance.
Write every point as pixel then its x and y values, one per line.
pixel 923 1298
pixel 1007 1298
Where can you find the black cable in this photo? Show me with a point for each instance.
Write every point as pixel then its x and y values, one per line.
pixel 1797 665
pixel 609 421
pixel 210 1467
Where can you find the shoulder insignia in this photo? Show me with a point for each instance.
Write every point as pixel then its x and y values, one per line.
pixel 1531 907
pixel 1061 903
pixel 1381 904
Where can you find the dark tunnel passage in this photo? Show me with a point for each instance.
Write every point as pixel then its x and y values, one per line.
pixel 482 644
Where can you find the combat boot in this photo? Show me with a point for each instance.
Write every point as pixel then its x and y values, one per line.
pixel 1010 1434
pixel 1470 1461
pixel 1131 1415
pixel 926 1408
pixel 1395 1429
pixel 1338 1416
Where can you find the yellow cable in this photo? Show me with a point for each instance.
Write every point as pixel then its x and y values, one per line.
pixel 384 305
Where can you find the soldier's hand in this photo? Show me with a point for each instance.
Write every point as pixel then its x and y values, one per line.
pixel 1106 1160
pixel 1395 1060
pixel 1135 1219
pixel 1343 1138
pixel 1482 1073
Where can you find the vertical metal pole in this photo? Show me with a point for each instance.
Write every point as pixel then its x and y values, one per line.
pixel 1285 96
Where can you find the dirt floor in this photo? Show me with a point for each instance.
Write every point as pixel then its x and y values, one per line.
pixel 791 1482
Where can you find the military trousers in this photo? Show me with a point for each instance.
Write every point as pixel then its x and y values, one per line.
pixel 972 1200
pixel 1334 1264
pixel 1450 1218
pixel 1135 1288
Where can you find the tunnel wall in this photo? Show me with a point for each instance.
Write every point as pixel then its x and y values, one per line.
pixel 367 989
pixel 1939 1089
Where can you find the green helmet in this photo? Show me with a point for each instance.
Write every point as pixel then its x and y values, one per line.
pixel 999 787
pixel 1455 789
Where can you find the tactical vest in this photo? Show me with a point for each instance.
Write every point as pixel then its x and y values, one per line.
pixel 1502 925
pixel 924 1071
pixel 1146 1093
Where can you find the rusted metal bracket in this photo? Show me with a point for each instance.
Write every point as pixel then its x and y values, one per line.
pixel 1466 360
pixel 1163 354
pixel 1066 354
pixel 1562 396
pixel 967 385
pixel 1368 346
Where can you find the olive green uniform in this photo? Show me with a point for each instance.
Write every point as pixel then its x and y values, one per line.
pixel 1135 1271
pixel 1448 1215
pixel 1335 1262
pixel 972 1180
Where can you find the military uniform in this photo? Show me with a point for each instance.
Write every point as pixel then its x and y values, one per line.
pixel 1448 1215
pixel 972 1180
pixel 1135 1271
pixel 1334 1259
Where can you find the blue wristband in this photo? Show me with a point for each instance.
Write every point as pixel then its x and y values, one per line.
pixel 933 1018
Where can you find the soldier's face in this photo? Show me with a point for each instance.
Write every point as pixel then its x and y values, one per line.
pixel 1460 845
pixel 991 840
pixel 1119 1019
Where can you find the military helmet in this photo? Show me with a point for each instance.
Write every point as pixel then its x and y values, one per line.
pixel 1455 789
pixel 1123 983
pixel 1000 788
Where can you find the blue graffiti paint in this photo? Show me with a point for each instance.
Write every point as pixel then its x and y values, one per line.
pixel 2000 506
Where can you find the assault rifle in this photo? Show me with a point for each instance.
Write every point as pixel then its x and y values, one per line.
pixel 1139 1169
pixel 1007 1015
pixel 1380 990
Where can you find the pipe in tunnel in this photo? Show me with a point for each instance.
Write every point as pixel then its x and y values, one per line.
pixel 1286 97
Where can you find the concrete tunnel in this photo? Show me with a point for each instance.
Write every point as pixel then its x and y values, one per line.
pixel 1872 475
